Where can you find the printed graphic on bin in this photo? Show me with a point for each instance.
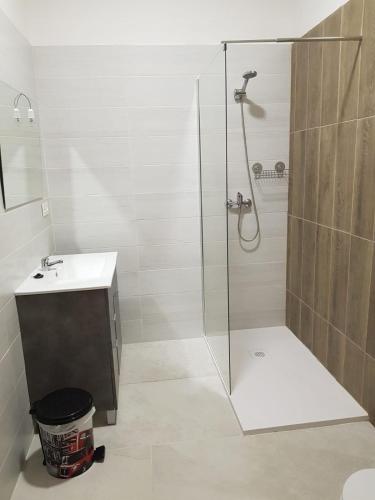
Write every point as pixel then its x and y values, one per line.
pixel 64 419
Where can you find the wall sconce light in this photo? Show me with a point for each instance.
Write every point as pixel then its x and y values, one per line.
pixel 16 112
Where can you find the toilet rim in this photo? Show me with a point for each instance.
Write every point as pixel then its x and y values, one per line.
pixel 361 482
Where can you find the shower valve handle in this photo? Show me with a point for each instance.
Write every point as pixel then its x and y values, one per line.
pixel 239 203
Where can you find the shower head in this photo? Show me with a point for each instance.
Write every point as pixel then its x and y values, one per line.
pixel 249 75
pixel 240 93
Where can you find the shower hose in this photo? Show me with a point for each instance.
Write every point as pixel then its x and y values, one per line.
pixel 240 213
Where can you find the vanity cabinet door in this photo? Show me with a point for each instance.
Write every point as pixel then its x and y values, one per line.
pixel 116 307
pixel 65 338
pixel 115 331
pixel 116 370
pixel 73 339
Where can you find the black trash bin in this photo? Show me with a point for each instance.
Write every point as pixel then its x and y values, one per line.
pixel 64 418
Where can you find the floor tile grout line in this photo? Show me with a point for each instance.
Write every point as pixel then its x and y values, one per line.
pixel 212 376
pixel 168 379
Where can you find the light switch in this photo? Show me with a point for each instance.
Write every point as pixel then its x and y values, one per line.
pixel 45 208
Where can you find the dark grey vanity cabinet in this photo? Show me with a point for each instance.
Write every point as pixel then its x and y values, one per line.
pixel 73 339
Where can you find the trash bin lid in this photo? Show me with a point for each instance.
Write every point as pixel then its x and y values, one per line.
pixel 63 406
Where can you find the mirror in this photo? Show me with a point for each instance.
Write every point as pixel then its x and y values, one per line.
pixel 21 171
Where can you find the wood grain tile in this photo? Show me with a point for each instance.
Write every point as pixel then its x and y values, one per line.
pixel 367 77
pixel 314 102
pixel 290 180
pixel 331 65
pixel 328 144
pixel 308 262
pixel 311 173
pixel 331 237
pixel 300 112
pixel 294 314
pixel 322 271
pixel 306 326
pixel 298 173
pixel 369 388
pixel 350 60
pixel 360 266
pixel 293 87
pixel 345 165
pixel 287 308
pixel 364 180
pixel 320 339
pixel 295 278
pixel 336 353
pixel 354 370
pixel 370 342
pixel 339 279
pixel 288 253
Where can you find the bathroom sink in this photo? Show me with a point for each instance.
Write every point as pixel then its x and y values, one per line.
pixel 77 272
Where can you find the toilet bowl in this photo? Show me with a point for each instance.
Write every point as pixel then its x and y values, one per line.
pixel 360 486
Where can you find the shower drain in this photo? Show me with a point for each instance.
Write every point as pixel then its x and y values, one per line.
pixel 259 354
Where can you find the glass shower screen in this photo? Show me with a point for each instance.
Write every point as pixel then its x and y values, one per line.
pixel 214 218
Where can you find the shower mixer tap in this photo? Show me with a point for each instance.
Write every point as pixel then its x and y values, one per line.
pixel 240 202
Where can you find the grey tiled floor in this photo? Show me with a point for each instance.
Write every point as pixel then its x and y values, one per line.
pixel 178 439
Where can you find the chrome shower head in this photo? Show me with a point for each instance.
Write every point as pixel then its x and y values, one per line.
pixel 240 93
pixel 249 75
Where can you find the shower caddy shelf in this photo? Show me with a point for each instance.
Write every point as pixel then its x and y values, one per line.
pixel 279 172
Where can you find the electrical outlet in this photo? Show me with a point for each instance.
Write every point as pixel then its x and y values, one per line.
pixel 45 208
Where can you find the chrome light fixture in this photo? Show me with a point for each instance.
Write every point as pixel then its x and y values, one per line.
pixel 16 111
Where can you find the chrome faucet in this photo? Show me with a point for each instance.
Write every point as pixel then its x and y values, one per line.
pixel 46 264
pixel 240 202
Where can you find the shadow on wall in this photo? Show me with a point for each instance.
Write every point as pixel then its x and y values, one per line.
pixel 255 110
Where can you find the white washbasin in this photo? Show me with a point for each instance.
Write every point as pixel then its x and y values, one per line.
pixel 77 272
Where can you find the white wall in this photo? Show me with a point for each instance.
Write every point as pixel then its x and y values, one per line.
pixel 24 238
pixel 120 138
pixel 88 22
pixel 16 11
pixel 257 272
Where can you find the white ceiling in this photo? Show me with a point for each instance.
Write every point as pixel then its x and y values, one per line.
pixel 81 22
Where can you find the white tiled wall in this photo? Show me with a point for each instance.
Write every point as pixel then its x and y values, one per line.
pixel 120 138
pixel 119 130
pixel 256 272
pixel 24 238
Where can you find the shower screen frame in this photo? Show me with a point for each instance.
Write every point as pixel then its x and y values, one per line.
pixel 221 341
